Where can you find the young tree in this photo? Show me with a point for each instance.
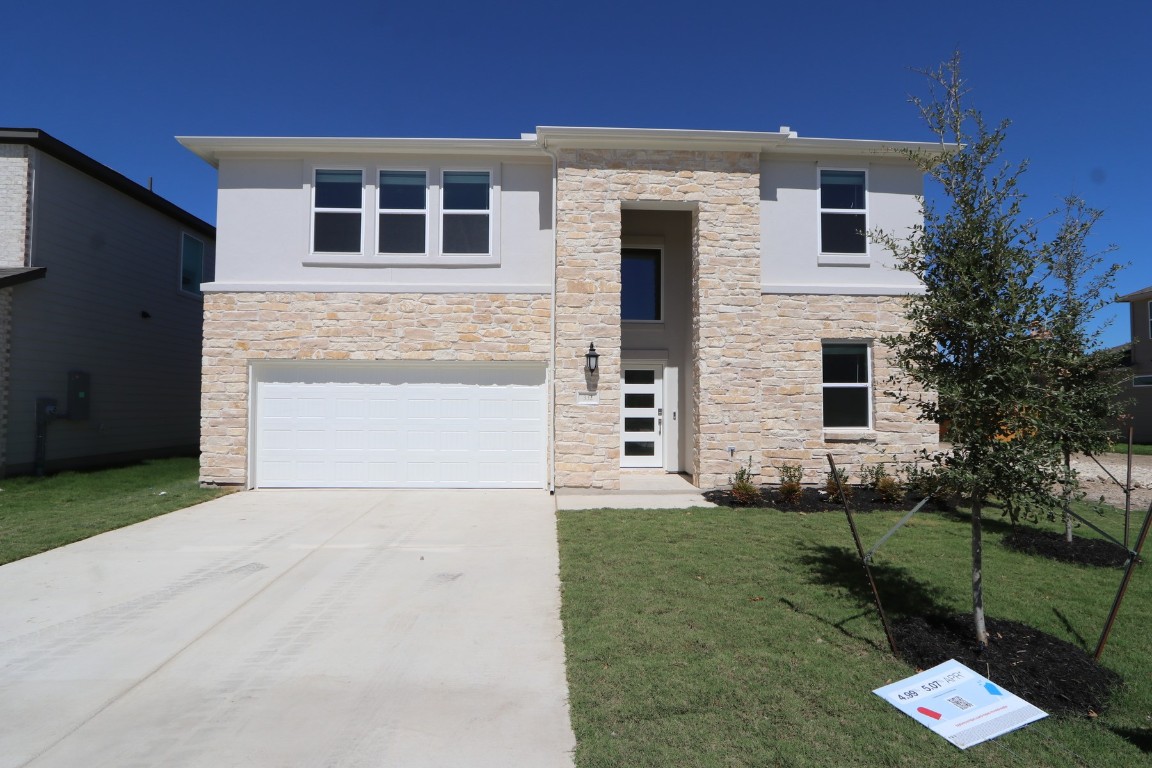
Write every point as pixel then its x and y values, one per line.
pixel 1084 387
pixel 976 335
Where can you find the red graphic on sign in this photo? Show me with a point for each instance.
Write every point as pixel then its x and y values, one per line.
pixel 930 713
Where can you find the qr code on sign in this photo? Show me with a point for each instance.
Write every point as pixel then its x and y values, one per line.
pixel 960 702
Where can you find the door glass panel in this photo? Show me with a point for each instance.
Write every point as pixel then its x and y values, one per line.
pixel 639 449
pixel 639 425
pixel 639 376
pixel 634 400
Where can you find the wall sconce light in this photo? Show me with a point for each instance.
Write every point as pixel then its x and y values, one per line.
pixel 592 359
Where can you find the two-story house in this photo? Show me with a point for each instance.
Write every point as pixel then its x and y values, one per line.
pixel 552 311
pixel 100 312
pixel 1138 394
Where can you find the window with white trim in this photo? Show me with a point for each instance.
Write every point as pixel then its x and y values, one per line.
pixel 337 204
pixel 847 385
pixel 191 264
pixel 466 213
pixel 402 226
pixel 1149 308
pixel 843 211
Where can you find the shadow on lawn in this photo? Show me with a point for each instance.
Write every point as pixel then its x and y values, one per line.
pixel 901 594
pixel 1141 738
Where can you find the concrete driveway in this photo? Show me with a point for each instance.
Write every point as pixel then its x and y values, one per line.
pixel 293 628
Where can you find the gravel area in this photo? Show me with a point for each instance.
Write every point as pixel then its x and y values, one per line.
pixel 1096 483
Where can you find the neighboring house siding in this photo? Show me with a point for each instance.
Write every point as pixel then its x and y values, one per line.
pixel 265 215
pixel 793 329
pixel 5 371
pixel 240 328
pixel 722 189
pixel 109 258
pixel 1140 398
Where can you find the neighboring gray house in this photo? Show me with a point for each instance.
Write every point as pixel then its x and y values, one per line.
pixel 396 312
pixel 100 312
pixel 1139 389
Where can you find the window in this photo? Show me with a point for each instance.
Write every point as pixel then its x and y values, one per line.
pixel 1142 381
pixel 466 213
pixel 847 386
pixel 338 200
pixel 403 223
pixel 640 284
pixel 191 264
pixel 843 212
pixel 1149 308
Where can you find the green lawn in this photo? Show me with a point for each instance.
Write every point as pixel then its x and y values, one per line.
pixel 38 514
pixel 1138 449
pixel 747 638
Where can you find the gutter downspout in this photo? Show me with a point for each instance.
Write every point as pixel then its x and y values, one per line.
pixel 552 345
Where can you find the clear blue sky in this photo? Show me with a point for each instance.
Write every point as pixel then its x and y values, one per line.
pixel 119 80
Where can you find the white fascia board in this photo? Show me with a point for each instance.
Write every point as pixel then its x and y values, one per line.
pixel 560 137
pixel 212 148
pixel 571 137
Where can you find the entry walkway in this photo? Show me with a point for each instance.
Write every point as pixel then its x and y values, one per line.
pixel 302 628
pixel 639 489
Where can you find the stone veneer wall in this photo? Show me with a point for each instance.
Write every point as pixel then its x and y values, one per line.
pixel 723 190
pixel 244 327
pixel 793 328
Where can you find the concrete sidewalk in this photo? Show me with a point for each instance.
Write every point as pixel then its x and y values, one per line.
pixel 293 628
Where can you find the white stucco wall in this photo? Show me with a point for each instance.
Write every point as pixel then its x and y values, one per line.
pixel 264 219
pixel 790 225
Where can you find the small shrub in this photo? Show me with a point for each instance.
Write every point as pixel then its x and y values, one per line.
pixel 837 492
pixel 744 491
pixel 927 482
pixel 791 477
pixel 888 488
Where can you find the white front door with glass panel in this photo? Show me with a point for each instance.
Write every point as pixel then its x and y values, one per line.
pixel 642 423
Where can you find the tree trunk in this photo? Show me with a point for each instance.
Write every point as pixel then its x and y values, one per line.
pixel 1067 475
pixel 977 572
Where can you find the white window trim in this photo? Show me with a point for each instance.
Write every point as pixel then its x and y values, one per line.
pixel 433 256
pixel 199 293
pixel 1148 307
pixel 336 256
pixel 427 211
pixel 867 344
pixel 843 259
pixel 468 258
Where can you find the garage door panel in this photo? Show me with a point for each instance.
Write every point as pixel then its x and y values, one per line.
pixel 439 426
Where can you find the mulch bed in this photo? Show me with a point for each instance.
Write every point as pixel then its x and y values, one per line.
pixel 863 499
pixel 1051 544
pixel 1054 675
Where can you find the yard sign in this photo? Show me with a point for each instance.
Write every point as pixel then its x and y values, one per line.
pixel 959 704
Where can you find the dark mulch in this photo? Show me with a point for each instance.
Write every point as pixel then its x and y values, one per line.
pixel 1056 676
pixel 863 499
pixel 1051 544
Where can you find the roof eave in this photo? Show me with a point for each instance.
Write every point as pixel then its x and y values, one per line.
pixel 213 148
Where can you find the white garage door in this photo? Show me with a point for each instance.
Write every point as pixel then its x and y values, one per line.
pixel 399 426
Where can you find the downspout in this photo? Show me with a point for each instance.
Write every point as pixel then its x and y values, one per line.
pixel 552 345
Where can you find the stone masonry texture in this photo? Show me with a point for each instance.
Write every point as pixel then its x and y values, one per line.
pixel 240 328
pixel 722 191
pixel 793 329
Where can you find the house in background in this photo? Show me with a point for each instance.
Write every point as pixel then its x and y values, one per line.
pixel 555 311
pixel 1138 392
pixel 100 312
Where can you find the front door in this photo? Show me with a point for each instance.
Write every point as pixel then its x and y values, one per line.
pixel 642 422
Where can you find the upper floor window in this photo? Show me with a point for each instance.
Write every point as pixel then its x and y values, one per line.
pixel 640 284
pixel 1149 308
pixel 191 264
pixel 843 212
pixel 338 200
pixel 403 223
pixel 847 386
pixel 466 213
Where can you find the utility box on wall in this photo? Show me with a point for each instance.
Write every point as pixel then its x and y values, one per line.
pixel 79 396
